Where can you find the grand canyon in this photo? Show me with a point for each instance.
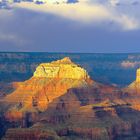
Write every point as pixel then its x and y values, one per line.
pixel 61 101
pixel 69 70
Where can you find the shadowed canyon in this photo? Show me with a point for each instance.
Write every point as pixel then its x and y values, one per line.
pixel 62 102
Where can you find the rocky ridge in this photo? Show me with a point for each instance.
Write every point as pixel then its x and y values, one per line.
pixel 49 81
pixel 62 98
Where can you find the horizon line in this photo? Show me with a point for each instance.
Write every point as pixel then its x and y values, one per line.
pixel 70 52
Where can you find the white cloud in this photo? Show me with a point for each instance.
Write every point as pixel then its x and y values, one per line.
pixel 128 23
pixel 79 12
pixel 86 12
pixel 130 64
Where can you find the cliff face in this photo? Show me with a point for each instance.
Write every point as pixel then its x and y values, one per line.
pixel 134 87
pixel 133 92
pixel 62 69
pixel 61 96
pixel 50 80
pixel 138 76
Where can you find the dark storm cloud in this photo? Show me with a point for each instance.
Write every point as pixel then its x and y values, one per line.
pixel 25 30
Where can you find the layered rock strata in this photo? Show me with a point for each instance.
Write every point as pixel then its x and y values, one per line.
pixel 49 81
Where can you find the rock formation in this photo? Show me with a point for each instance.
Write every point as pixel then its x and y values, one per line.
pixel 60 95
pixel 49 81
pixel 134 87
pixel 138 76
pixel 133 92
pixel 61 69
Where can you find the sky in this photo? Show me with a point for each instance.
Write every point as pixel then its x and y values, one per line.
pixel 87 26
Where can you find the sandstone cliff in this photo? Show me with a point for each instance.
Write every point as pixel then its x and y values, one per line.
pixel 62 69
pixel 49 81
pixel 132 92
pixel 61 97
pixel 134 87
